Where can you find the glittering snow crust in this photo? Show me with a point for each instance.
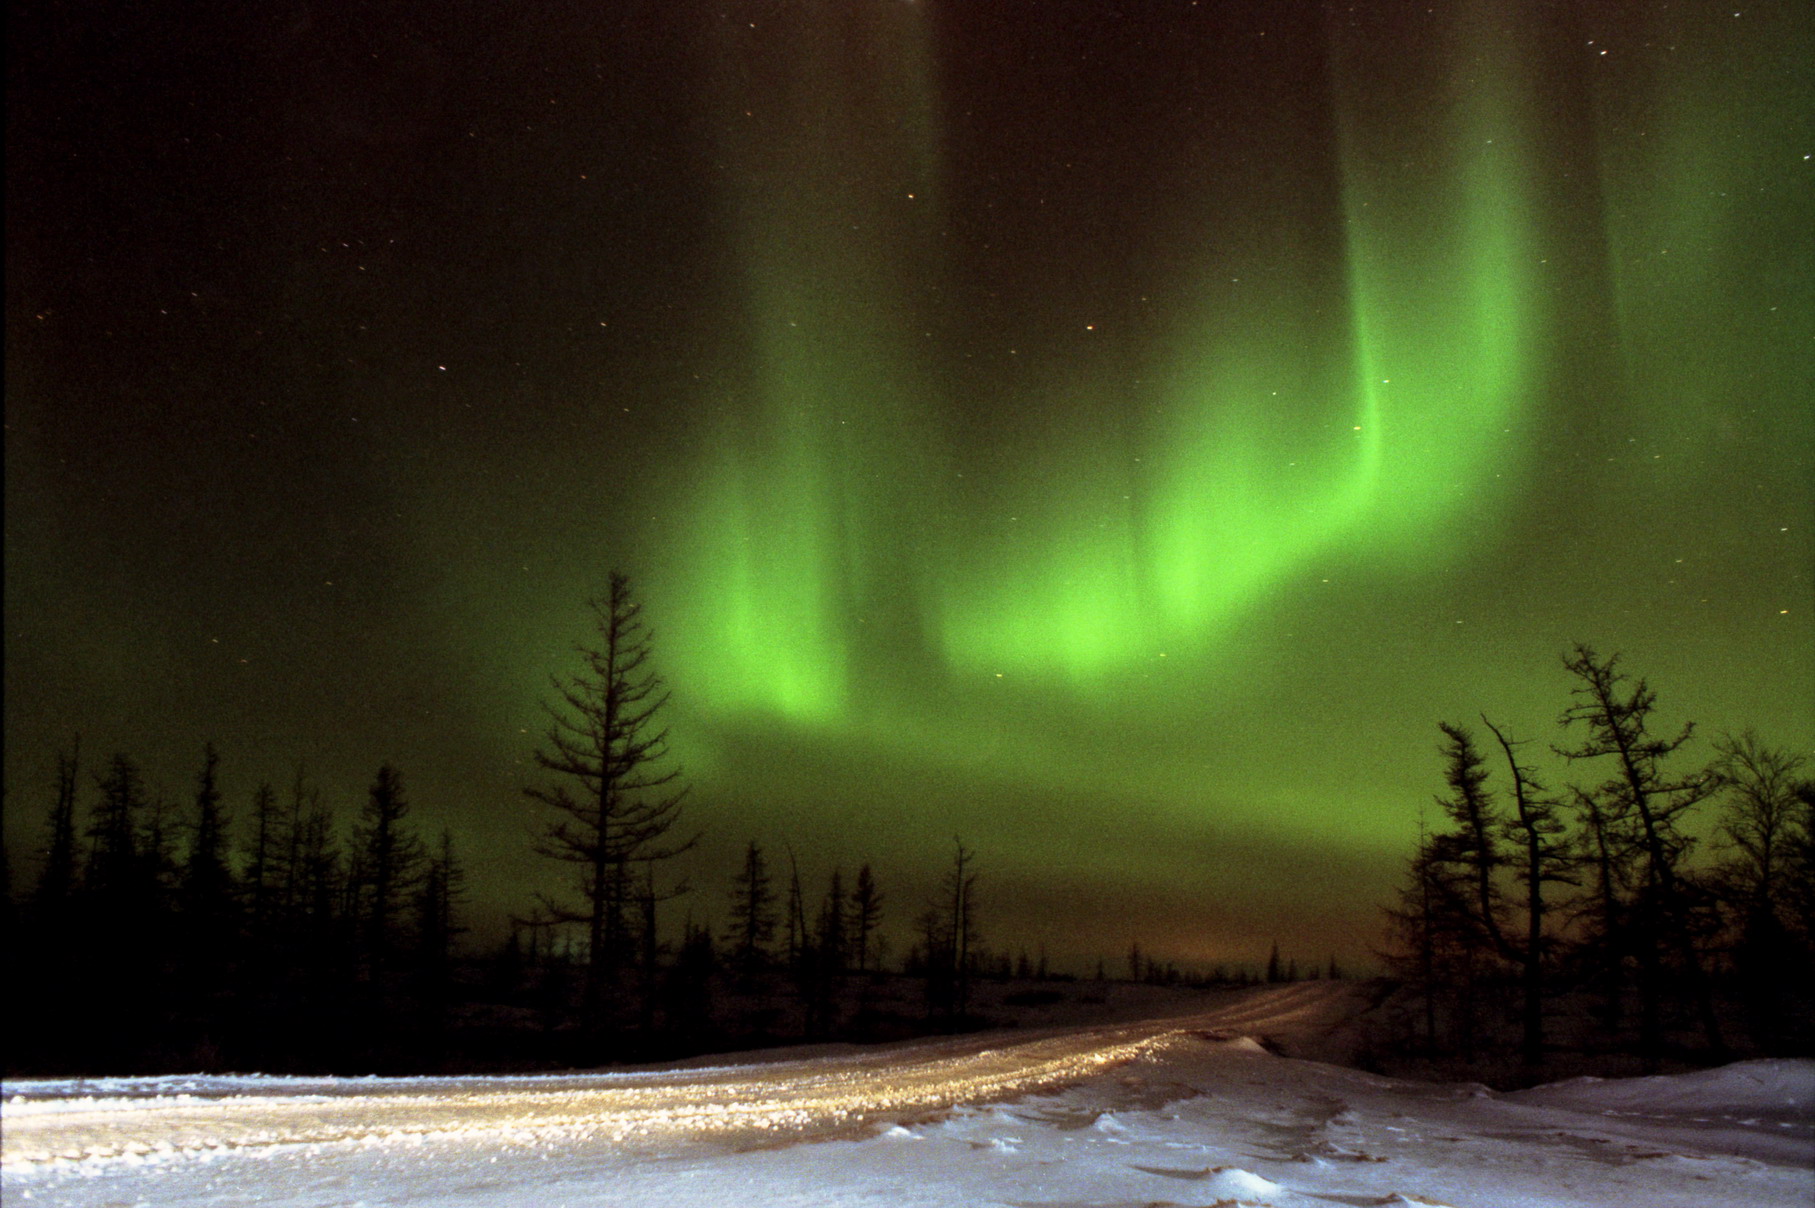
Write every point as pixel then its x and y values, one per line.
pixel 1185 1111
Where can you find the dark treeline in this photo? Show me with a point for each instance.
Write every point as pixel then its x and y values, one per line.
pixel 169 934
pixel 181 935
pixel 276 933
pixel 1568 922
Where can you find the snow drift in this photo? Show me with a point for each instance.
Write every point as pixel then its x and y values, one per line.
pixel 1186 1111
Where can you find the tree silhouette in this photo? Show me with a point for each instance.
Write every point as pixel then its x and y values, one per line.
pixel 1758 819
pixel 1758 832
pixel 1607 853
pixel 120 920
pixel 1641 799
pixel 57 877
pixel 961 923
pixel 388 857
pixel 441 892
pixel 752 914
pixel 932 958
pixel 796 911
pixel 117 878
pixel 207 929
pixel 1436 941
pixel 47 937
pixel 259 881
pixel 832 935
pixel 615 804
pixel 207 884
pixel 157 852
pixel 1538 836
pixel 1463 865
pixel 317 875
pixel 1473 845
pixel 866 916
pixel 1799 860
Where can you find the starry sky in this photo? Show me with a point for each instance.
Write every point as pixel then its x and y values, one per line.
pixel 1113 434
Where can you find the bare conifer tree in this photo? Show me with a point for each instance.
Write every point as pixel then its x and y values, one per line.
pixel 58 878
pixel 1473 843
pixel 615 803
pixel 118 874
pixel 833 936
pixel 1758 832
pixel 1650 805
pixel 866 916
pixel 752 914
pixel 207 886
pixel 259 881
pixel 441 894
pixel 390 860
pixel 961 922
pixel 1538 836
pixel 1757 822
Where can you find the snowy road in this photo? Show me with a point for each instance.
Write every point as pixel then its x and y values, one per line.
pixel 737 1106
pixel 1161 1112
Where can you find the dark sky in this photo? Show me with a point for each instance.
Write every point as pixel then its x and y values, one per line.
pixel 1115 434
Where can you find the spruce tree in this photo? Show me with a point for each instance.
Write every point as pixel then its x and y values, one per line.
pixel 614 799
pixel 752 926
pixel 1612 712
pixel 961 922
pixel 1757 836
pixel 866 916
pixel 207 884
pixel 57 878
pixel 259 881
pixel 389 857
pixel 1538 836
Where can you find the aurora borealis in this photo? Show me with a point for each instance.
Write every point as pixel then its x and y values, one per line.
pixel 1114 436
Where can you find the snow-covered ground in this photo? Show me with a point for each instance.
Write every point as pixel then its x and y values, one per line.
pixel 1182 1111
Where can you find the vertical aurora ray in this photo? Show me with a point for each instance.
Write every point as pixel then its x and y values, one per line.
pixel 1112 432
pixel 1444 305
pixel 802 544
pixel 1262 455
pixel 1707 251
pixel 1348 365
pixel 1142 520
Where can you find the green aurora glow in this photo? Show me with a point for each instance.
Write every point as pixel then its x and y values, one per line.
pixel 1121 445
pixel 853 570
pixel 1152 515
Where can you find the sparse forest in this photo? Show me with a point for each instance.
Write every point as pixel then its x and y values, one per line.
pixel 1652 910
pixel 163 935
pixel 280 933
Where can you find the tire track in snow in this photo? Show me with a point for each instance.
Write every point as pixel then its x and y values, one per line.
pixel 740 1106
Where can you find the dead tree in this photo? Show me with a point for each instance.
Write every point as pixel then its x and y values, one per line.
pixel 616 803
pixel 1613 711
pixel 1538 836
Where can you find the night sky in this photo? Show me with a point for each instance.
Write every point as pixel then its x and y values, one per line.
pixel 1113 433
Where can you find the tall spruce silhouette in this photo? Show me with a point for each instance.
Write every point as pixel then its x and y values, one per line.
pixel 615 798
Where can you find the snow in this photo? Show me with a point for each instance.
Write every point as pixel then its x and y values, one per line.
pixel 1185 1111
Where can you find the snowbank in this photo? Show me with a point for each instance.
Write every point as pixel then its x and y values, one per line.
pixel 1183 1112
